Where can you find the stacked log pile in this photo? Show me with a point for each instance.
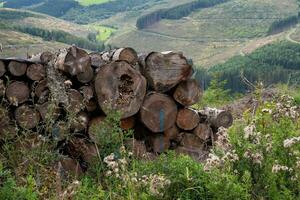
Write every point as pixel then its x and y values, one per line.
pixel 154 94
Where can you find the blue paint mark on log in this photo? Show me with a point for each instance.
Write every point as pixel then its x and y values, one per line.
pixel 161 120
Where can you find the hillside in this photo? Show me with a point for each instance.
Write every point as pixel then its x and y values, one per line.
pixel 208 35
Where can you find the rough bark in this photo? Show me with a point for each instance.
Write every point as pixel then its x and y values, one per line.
pixel 17 93
pixel 188 93
pixel 2 68
pixel 218 118
pixel 27 117
pixel 73 61
pixel 36 72
pixel 96 60
pixel 187 119
pixel 87 92
pixel 158 112
pixel 165 71
pixel 119 87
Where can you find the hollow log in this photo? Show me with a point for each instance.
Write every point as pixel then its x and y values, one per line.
pixel 119 87
pixel 191 141
pixel 218 118
pixel 125 54
pixel 96 60
pixel 17 93
pixel 86 76
pixel 73 61
pixel 127 123
pixel 158 112
pixel 2 68
pixel 187 119
pixel 159 143
pixel 36 72
pixel 75 101
pixel 188 92
pixel 203 131
pixel 17 68
pixel 165 71
pixel 27 117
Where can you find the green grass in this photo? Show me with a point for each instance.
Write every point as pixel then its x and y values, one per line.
pixel 91 2
pixel 103 32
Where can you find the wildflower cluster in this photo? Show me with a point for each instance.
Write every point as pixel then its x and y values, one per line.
pixel 224 148
pixel 285 107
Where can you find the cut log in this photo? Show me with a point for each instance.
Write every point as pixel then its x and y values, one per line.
pixel 2 88
pixel 7 132
pixel 192 141
pixel 79 148
pixel 17 93
pixel 80 122
pixel 188 93
pixel 70 166
pixel 218 118
pixel 75 101
pixel 27 117
pixel 93 126
pixel 187 119
pixel 137 147
pixel 4 117
pixel 165 71
pixel 91 105
pixel 159 143
pixel 40 88
pixel 203 131
pixel 197 154
pixel 119 87
pixel 49 111
pixel 86 76
pixel 42 58
pixel 2 68
pixel 17 68
pixel 127 123
pixel 172 133
pixel 96 60
pixel 60 131
pixel 36 72
pixel 87 92
pixel 125 54
pixel 158 112
pixel 73 61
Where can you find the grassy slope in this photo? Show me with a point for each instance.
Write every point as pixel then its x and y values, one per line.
pixel 91 2
pixel 17 44
pixel 210 35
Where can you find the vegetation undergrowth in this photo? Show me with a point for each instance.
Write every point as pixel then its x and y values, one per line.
pixel 257 158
